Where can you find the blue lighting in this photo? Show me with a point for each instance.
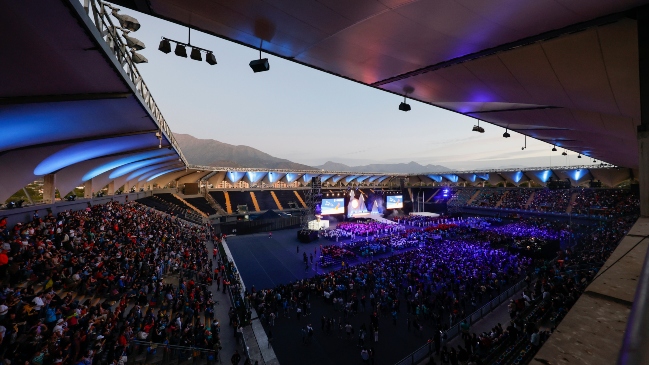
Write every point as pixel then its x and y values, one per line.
pixel 144 170
pixel 381 179
pixel 577 174
pixel 336 178
pixel 162 173
pixel 153 172
pixel 437 178
pixel 483 176
pixel 351 178
pixel 291 176
pixel 362 178
pixel 235 176
pixel 121 171
pixel 92 149
pixel 127 160
pixel 518 175
pixel 254 176
pixel 544 176
pixel 452 178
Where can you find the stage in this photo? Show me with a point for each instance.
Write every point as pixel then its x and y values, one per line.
pixel 425 214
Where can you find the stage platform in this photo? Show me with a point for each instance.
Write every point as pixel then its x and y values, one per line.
pixel 425 214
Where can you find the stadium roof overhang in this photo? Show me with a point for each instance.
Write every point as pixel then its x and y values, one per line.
pixel 561 71
pixel 69 105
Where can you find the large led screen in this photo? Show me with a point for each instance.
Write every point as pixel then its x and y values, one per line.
pixel 333 206
pixel 395 202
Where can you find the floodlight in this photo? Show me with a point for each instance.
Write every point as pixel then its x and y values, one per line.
pixel 260 65
pixel 180 50
pixel 126 21
pixel 209 58
pixel 133 43
pixel 554 149
pixel 165 46
pixel 477 128
pixel 506 135
pixel 564 153
pixel 405 107
pixel 196 54
pixel 138 58
pixel 579 156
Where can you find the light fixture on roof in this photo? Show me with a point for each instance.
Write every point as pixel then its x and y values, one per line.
pixel 138 58
pixel 196 54
pixel 404 107
pixel 209 58
pixel 261 64
pixel 165 46
pixel 564 153
pixel 579 156
pixel 478 128
pixel 554 148
pixel 180 50
pixel 125 21
pixel 506 135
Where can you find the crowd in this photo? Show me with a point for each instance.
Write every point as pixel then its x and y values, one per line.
pixel 361 229
pixel 516 198
pixel 551 201
pixel 605 202
pixel 82 285
pixel 488 198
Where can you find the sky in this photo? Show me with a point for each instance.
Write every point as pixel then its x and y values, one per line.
pixel 310 117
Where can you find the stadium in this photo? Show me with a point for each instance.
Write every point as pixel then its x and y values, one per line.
pixel 124 243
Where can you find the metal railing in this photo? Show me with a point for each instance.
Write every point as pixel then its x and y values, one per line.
pixel 108 31
pixel 426 350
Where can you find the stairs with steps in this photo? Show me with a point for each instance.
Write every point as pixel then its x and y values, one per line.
pixel 215 205
pixel 502 198
pixel 473 197
pixel 279 205
pixel 300 199
pixel 200 212
pixel 254 201
pixel 530 200
pixel 228 205
pixel 573 197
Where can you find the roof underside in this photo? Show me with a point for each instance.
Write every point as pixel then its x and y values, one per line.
pixel 67 106
pixel 562 71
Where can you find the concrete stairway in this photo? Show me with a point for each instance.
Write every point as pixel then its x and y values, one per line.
pixel 200 212
pixel 473 197
pixel 573 197
pixel 228 205
pixel 215 205
pixel 530 200
pixel 502 198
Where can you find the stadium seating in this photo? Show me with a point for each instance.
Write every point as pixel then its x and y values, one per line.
pixel 202 204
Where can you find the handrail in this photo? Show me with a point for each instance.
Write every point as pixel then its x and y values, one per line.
pixel 107 30
pixel 634 349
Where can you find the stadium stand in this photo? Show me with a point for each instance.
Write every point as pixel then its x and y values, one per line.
pixel 202 204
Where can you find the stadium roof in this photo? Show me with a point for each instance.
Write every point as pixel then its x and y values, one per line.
pixel 562 71
pixel 69 105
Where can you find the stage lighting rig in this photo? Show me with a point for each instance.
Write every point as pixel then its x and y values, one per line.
pixel 506 134
pixel 125 21
pixel 181 50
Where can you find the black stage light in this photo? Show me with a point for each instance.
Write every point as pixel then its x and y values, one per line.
pixel 554 149
pixel 196 54
pixel 579 156
pixel 260 65
pixel 564 153
pixel 165 46
pixel 180 50
pixel 209 58
pixel 506 135
pixel 477 128
pixel 405 107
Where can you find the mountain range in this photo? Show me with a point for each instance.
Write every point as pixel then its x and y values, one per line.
pixel 209 152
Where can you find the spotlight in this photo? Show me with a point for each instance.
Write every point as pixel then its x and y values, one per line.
pixel 133 43
pixel 209 58
pixel 196 54
pixel 477 128
pixel 554 149
pixel 579 156
pixel 138 58
pixel 404 107
pixel 260 65
pixel 564 153
pixel 180 50
pixel 506 135
pixel 165 46
pixel 125 21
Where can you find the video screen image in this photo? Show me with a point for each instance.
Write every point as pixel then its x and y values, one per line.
pixel 394 202
pixel 333 206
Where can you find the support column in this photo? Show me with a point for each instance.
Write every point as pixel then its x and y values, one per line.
pixel 643 128
pixel 127 187
pixel 111 188
pixel 49 188
pixel 87 189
